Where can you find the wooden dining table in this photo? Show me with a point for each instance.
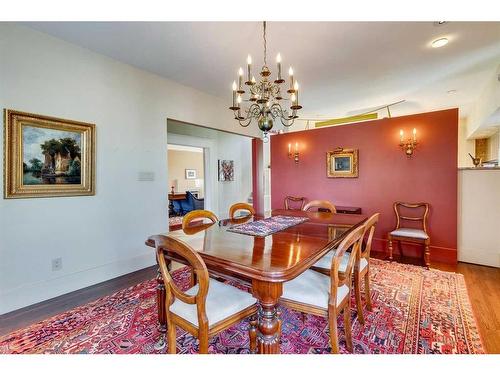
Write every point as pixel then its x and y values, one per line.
pixel 263 263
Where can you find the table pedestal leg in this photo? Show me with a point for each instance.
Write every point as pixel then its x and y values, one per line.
pixel 268 327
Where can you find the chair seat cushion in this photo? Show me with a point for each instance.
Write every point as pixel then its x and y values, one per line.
pixel 410 232
pixel 222 301
pixel 312 288
pixel 326 262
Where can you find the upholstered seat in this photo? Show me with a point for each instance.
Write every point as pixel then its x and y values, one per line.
pixel 222 301
pixel 410 232
pixel 312 288
pixel 326 262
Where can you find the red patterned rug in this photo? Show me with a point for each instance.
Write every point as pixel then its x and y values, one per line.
pixel 415 311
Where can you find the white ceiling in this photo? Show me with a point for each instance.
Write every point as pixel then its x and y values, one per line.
pixel 344 68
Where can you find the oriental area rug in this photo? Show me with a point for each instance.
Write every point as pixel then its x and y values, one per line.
pixel 415 311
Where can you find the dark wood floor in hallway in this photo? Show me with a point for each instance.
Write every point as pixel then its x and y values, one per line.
pixel 483 285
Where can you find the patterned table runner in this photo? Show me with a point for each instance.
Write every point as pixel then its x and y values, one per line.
pixel 267 226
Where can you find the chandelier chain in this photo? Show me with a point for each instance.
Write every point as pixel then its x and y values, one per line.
pixel 265 45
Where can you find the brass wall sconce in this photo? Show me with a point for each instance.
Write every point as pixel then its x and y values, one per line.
pixel 293 155
pixel 409 145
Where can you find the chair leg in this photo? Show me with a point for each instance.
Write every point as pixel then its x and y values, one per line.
pixel 203 338
pixel 347 327
pixel 357 293
pixel 427 254
pixel 172 342
pixel 252 332
pixel 368 296
pixel 390 249
pixel 334 338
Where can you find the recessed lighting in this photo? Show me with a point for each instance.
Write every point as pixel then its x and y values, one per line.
pixel 451 91
pixel 440 23
pixel 440 42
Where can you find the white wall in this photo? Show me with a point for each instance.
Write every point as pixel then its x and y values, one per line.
pixel 102 236
pixel 479 216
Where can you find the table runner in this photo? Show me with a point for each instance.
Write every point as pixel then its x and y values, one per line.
pixel 267 226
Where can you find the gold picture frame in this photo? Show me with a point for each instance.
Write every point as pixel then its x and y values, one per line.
pixel 342 163
pixel 47 156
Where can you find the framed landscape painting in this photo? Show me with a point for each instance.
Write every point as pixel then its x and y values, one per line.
pixel 342 162
pixel 47 157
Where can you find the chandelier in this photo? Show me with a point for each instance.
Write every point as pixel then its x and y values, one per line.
pixel 265 98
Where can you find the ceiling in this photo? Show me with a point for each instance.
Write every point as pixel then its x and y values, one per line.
pixel 344 68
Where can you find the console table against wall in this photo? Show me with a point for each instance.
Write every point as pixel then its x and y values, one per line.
pixel 345 210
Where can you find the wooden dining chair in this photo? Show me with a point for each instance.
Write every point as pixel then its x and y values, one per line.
pixel 205 309
pixel 198 216
pixel 291 203
pixel 241 207
pixel 327 295
pixel 320 204
pixel 408 234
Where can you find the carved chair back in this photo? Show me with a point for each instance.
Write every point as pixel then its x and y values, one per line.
pixel 172 245
pixel 421 211
pixel 196 215
pixel 370 225
pixel 241 206
pixel 320 204
pixel 291 203
pixel 353 240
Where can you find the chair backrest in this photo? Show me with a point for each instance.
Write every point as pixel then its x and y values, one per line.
pixel 370 225
pixel 172 245
pixel 291 202
pixel 241 206
pixel 416 207
pixel 352 240
pixel 196 215
pixel 320 204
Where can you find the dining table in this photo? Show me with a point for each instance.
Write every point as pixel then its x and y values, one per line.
pixel 264 263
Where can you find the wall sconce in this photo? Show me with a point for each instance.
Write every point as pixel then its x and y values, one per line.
pixel 410 144
pixel 293 155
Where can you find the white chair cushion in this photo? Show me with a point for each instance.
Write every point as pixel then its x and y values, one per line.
pixel 222 301
pixel 410 232
pixel 312 288
pixel 326 262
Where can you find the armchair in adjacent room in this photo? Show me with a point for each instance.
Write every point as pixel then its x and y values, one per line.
pixel 192 203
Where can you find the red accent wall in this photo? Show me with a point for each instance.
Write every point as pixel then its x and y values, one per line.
pixel 386 175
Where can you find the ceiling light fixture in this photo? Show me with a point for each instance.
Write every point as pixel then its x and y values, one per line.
pixel 440 42
pixel 265 96
pixel 451 91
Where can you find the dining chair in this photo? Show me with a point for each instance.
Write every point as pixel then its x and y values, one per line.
pixel 326 295
pixel 241 207
pixel 198 216
pixel 408 234
pixel 291 203
pixel 320 204
pixel 361 266
pixel 205 309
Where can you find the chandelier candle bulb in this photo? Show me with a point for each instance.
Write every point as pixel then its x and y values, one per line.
pixel 290 73
pixel 414 134
pixel 278 61
pixel 401 136
pixel 240 81
pixel 249 66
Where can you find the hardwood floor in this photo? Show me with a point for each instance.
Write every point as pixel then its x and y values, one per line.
pixel 483 285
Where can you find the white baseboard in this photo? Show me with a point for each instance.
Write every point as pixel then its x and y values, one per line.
pixel 29 294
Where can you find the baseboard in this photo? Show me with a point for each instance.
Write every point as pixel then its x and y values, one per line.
pixel 438 254
pixel 29 294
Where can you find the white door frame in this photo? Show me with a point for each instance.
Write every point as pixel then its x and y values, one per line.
pixel 209 162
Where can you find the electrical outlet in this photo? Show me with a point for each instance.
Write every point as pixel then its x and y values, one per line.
pixel 57 264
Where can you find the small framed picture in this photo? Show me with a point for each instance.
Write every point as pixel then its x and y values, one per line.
pixel 342 162
pixel 190 174
pixel 226 170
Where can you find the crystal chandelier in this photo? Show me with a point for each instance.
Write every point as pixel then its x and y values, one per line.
pixel 265 99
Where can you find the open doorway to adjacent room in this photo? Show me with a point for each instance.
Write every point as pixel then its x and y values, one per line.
pixel 207 169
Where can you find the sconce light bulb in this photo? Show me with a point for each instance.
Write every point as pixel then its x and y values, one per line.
pixel 401 133
pixel 414 131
